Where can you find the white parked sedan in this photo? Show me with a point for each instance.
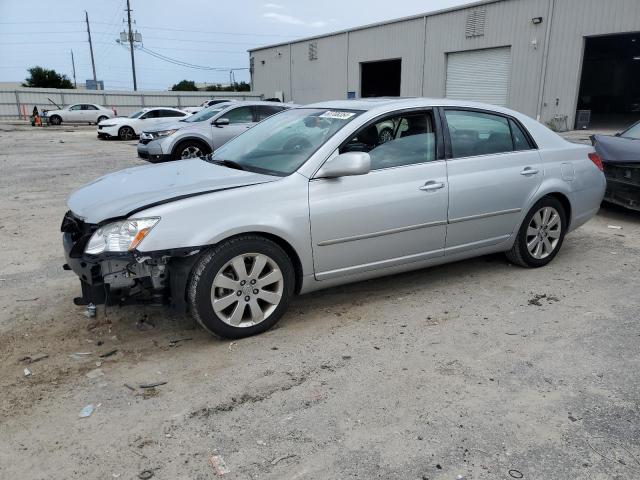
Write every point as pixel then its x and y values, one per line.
pixel 127 128
pixel 79 113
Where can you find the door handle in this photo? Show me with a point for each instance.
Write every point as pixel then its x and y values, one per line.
pixel 529 171
pixel 431 186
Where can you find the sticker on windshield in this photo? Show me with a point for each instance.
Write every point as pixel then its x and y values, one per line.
pixel 337 115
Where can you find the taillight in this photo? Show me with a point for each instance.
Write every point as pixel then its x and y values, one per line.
pixel 597 161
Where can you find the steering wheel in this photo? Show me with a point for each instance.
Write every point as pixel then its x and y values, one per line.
pixel 296 144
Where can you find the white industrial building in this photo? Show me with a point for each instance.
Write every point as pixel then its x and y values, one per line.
pixel 545 58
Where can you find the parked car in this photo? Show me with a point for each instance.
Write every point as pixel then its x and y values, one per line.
pixel 202 133
pixel 621 158
pixel 207 104
pixel 127 128
pixel 310 198
pixel 79 113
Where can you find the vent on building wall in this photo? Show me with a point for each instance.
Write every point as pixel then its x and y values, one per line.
pixel 313 51
pixel 475 22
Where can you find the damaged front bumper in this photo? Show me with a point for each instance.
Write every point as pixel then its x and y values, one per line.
pixel 125 277
pixel 623 184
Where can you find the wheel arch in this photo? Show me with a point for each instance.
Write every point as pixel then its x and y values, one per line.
pixel 282 243
pixel 195 139
pixel 566 204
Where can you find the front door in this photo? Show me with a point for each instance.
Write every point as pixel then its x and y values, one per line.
pixel 494 172
pixel 74 114
pixel 394 215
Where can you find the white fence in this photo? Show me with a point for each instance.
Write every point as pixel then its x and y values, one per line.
pixel 19 103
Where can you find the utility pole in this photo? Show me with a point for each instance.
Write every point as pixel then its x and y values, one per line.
pixel 93 63
pixel 73 64
pixel 133 60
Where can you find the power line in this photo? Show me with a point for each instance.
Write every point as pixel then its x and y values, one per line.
pixel 234 52
pixel 148 27
pixel 186 64
pixel 200 41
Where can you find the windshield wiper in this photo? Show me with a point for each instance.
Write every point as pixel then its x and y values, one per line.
pixel 224 163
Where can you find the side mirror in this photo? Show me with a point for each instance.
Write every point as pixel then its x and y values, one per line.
pixel 346 165
pixel 221 122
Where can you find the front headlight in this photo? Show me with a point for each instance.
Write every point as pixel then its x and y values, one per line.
pixel 124 236
pixel 163 133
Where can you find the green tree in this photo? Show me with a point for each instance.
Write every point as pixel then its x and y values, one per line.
pixel 185 86
pixel 44 78
pixel 236 87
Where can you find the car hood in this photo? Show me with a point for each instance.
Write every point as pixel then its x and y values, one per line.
pixel 177 125
pixel 123 193
pixel 617 149
pixel 117 121
pixel 169 125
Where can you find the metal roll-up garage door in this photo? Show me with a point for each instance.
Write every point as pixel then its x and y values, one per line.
pixel 479 75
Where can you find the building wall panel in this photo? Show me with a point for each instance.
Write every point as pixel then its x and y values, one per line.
pixel 507 24
pixel 573 21
pixel 402 40
pixel 271 71
pixel 324 78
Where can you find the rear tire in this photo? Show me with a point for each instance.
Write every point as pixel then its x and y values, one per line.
pixel 126 133
pixel 541 234
pixel 102 118
pixel 241 287
pixel 55 120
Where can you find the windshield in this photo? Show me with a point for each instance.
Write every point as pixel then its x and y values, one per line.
pixel 633 132
pixel 137 114
pixel 205 114
pixel 282 143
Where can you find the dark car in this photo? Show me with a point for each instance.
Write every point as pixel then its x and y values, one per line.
pixel 620 155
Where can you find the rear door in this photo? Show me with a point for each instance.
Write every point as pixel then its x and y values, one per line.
pixel 494 170
pixel 89 113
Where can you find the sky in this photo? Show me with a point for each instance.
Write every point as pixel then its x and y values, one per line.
pixel 204 33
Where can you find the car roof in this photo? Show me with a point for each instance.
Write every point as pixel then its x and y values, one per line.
pixel 395 103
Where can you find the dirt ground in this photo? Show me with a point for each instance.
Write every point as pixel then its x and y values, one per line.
pixel 476 370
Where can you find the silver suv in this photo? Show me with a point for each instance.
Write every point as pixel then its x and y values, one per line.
pixel 203 132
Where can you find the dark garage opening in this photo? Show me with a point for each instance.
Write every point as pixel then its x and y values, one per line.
pixel 610 84
pixel 380 79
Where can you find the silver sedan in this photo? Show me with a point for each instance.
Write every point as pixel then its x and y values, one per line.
pixel 313 197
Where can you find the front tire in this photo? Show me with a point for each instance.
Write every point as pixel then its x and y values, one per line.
pixel 541 234
pixel 126 133
pixel 190 149
pixel 241 287
pixel 55 120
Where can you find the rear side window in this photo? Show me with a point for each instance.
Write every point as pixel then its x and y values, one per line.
pixel 239 115
pixel 171 113
pixel 265 111
pixel 520 140
pixel 478 133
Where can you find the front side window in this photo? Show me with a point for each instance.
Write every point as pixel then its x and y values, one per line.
pixel 283 143
pixel 75 108
pixel 477 133
pixel 396 141
pixel 239 115
pixel 633 132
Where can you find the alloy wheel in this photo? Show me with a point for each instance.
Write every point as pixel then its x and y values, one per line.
pixel 127 133
pixel 385 136
pixel 192 151
pixel 544 232
pixel 247 290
